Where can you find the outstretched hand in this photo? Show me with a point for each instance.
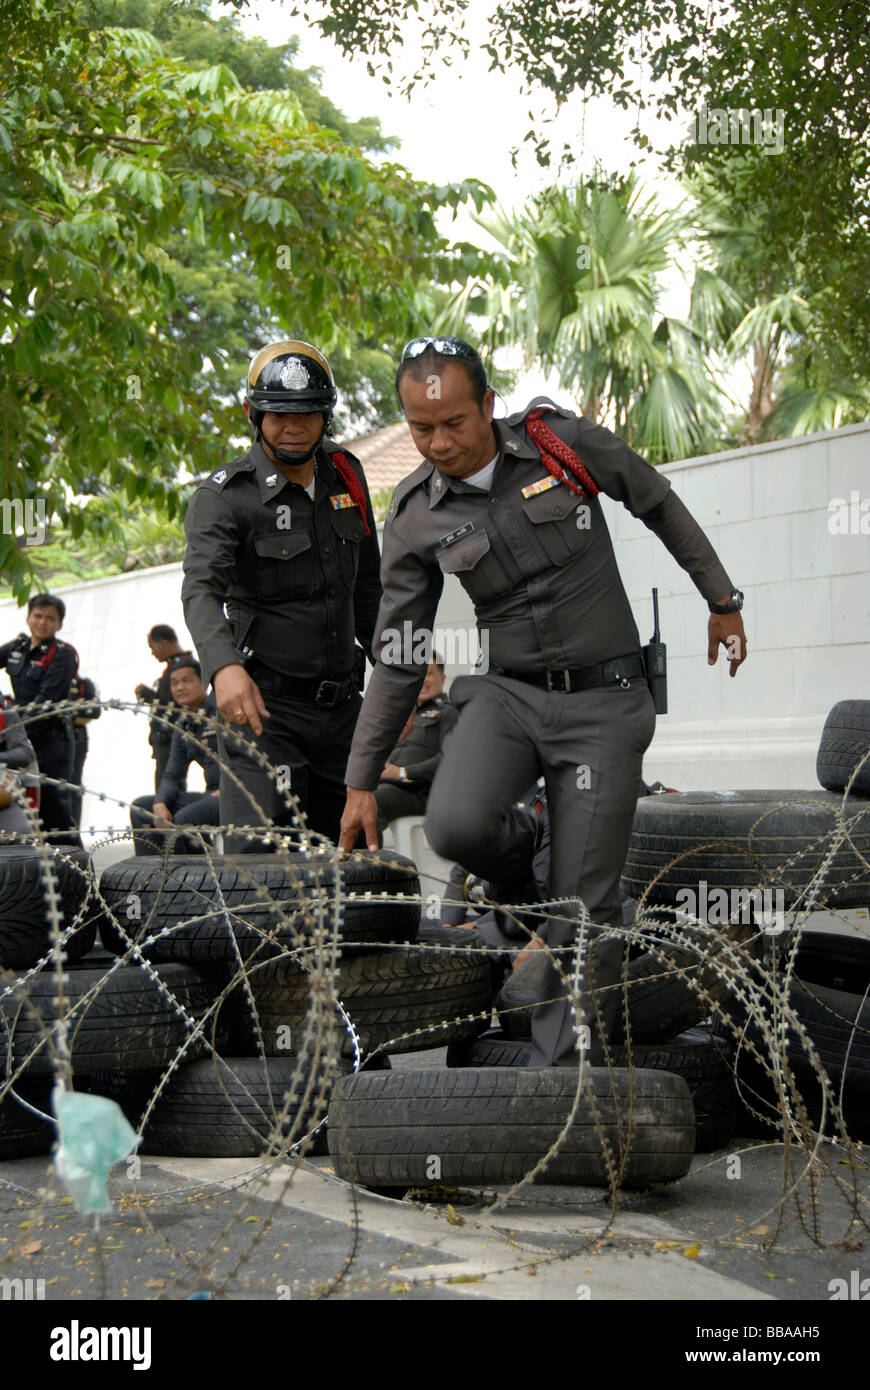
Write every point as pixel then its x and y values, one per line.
pixel 726 629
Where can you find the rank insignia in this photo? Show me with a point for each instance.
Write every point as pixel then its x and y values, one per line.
pixel 540 486
pixel 456 535
pixel 272 480
pixel 220 477
pixel 342 500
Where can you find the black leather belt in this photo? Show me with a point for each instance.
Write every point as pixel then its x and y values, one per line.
pixel 315 692
pixel 564 680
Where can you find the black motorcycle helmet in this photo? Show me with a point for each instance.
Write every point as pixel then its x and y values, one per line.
pixel 290 378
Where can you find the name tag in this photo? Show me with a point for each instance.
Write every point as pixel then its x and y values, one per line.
pixel 457 534
pixel 540 486
pixel 342 500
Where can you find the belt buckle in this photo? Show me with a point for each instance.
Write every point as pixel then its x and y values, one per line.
pixel 565 675
pixel 322 697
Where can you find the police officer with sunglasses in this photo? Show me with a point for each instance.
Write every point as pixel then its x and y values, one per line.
pixel 511 508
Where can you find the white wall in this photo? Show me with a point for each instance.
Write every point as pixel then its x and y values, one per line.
pixel 765 510
pixel 807 613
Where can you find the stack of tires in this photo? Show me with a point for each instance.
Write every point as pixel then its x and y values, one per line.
pixel 794 1011
pixel 317 968
pixel 490 1120
pixel 35 881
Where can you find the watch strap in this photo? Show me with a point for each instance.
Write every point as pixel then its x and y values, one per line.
pixel 732 605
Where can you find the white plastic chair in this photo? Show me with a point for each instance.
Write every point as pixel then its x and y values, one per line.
pixel 407 837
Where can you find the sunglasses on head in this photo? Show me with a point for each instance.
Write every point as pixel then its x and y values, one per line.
pixel 445 347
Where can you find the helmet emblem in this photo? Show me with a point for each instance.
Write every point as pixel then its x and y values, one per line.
pixel 294 376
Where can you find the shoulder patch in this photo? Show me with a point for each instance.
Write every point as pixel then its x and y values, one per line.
pixel 539 403
pixel 243 464
pixel 408 485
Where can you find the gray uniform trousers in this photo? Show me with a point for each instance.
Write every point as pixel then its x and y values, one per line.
pixel 589 747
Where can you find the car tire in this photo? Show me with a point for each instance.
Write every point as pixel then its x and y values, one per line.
pixel 118 1018
pixel 25 924
pixel 216 910
pixel 747 839
pixel 844 743
pixel 437 991
pixel 706 1063
pixel 23 1134
pixel 492 1126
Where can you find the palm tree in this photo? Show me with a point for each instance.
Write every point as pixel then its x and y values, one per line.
pixel 576 281
pixel 750 307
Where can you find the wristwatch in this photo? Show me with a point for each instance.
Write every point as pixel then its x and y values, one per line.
pixel 731 605
pixel 403 775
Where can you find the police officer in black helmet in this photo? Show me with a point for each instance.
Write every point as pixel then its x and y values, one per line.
pixel 282 578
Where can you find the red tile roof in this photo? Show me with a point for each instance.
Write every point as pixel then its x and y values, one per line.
pixel 387 456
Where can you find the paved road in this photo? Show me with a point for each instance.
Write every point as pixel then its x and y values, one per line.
pixel 243 1230
pixel 778 1227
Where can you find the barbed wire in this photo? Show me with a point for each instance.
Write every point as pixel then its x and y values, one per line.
pixel 738 978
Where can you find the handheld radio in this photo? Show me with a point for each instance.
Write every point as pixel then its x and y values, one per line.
pixel 655 656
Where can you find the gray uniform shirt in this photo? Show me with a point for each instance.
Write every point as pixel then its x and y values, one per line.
pixel 540 569
pixel 300 579
pixel 420 752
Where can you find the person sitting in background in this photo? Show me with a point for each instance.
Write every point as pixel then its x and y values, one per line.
pixel 173 804
pixel 82 689
pixel 164 646
pixel 16 756
pixel 408 772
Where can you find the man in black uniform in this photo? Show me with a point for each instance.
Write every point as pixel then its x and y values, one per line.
pixel 173 804
pixel 510 508
pixel 408 772
pixel 83 690
pixel 164 646
pixel 286 538
pixel 41 668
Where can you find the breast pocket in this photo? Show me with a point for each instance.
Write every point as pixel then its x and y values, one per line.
pixel 477 568
pixel 347 525
pixel 561 523
pixel 284 567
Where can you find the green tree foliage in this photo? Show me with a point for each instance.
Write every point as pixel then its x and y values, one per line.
pixel 109 151
pixel 752 303
pixel 221 309
pixel 578 282
pixel 190 32
pixel 808 60
pixel 579 286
